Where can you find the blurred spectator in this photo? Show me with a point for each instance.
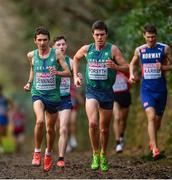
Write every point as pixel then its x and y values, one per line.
pixel 18 121
pixel 3 117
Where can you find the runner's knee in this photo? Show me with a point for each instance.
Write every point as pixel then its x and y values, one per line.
pixel 117 119
pixel 104 130
pixel 93 125
pixel 40 123
pixel 63 130
pixel 50 130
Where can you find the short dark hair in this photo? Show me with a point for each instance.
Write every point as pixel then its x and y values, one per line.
pixel 57 38
pixel 99 24
pixel 149 28
pixel 41 30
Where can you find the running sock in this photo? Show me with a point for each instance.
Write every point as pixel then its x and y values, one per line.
pixel 121 139
pixel 102 152
pixel 96 152
pixel 122 135
pixel 47 153
pixel 60 159
pixel 117 142
pixel 37 150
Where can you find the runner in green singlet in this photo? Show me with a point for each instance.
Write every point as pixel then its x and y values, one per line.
pixel 44 83
pixel 65 106
pixel 103 60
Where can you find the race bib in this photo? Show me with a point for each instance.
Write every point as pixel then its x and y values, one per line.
pixel 151 71
pixel 120 83
pixel 97 71
pixel 65 85
pixel 45 81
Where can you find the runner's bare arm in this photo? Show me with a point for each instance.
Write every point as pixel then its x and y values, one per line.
pixel 120 63
pixel 79 54
pixel 133 63
pixel 168 66
pixel 60 59
pixel 77 57
pixel 27 87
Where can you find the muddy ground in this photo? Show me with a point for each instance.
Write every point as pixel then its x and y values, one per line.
pixel 78 167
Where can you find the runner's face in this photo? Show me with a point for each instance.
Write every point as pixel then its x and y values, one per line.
pixel 61 45
pixel 42 42
pixel 150 39
pixel 99 37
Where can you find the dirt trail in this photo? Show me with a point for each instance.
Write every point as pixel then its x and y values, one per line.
pixel 78 167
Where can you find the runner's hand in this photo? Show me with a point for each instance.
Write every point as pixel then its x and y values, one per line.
pixel 53 71
pixel 78 80
pixel 132 79
pixel 111 64
pixel 158 65
pixel 27 87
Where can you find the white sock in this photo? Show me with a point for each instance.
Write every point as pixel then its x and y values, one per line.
pixel 37 150
pixel 47 153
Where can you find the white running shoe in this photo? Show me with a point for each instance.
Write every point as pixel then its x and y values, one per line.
pixel 73 142
pixel 119 148
pixel 68 148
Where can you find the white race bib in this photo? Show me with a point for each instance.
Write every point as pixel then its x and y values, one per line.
pixel 65 85
pixel 151 71
pixel 120 83
pixel 45 81
pixel 97 71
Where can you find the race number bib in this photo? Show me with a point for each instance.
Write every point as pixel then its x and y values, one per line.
pixel 120 83
pixel 45 81
pixel 97 71
pixel 151 71
pixel 65 85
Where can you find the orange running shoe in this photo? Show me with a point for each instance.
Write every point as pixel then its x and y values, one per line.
pixel 61 163
pixel 47 162
pixel 36 161
pixel 156 153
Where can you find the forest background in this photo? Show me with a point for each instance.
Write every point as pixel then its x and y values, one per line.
pixel 73 18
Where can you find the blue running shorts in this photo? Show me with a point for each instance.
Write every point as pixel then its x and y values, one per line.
pixel 154 99
pixel 65 103
pixel 51 107
pixel 104 97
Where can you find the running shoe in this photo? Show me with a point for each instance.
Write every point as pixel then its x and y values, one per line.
pixel 47 162
pixel 95 162
pixel 36 161
pixel 68 148
pixel 156 153
pixel 61 163
pixel 103 163
pixel 119 148
pixel 73 142
pixel 120 145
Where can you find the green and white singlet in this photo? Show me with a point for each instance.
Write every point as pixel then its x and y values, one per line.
pixel 45 85
pixel 98 76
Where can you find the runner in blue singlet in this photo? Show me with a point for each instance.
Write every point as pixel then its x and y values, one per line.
pixel 153 57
